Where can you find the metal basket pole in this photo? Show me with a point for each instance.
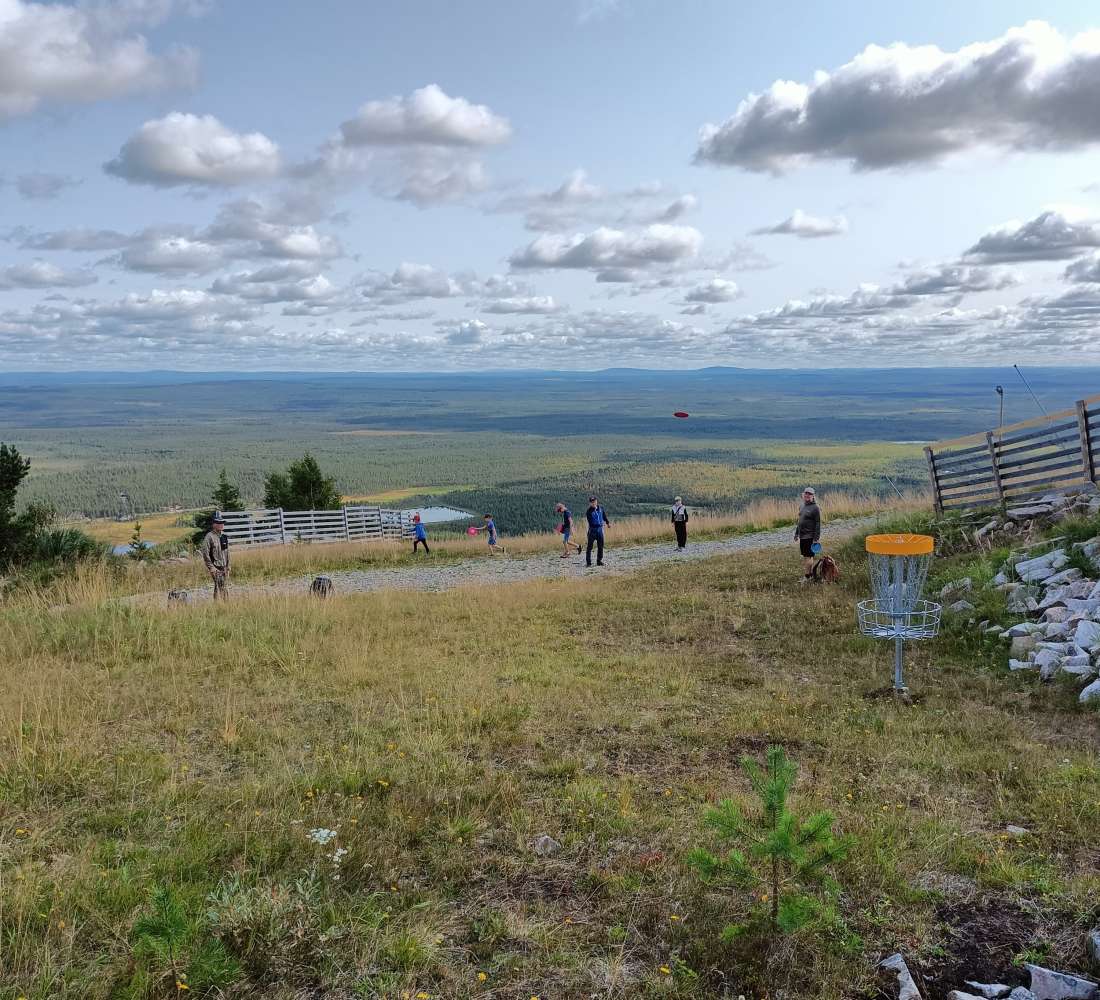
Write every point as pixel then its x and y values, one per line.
pixel 899 617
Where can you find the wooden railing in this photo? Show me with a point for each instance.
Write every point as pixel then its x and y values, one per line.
pixel 1011 463
pixel 276 526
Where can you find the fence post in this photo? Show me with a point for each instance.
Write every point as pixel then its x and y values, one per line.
pixel 937 502
pixel 347 531
pixel 282 527
pixel 1086 442
pixel 251 530
pixel 996 471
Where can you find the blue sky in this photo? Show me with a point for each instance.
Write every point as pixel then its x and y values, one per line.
pixel 203 184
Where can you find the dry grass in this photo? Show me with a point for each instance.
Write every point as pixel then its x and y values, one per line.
pixel 195 749
pixel 157 528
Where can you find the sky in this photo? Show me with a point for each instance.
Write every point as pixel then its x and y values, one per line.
pixel 569 184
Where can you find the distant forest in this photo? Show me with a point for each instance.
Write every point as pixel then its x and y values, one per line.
pixel 509 442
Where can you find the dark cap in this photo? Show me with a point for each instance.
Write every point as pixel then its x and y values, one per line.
pixel 218 519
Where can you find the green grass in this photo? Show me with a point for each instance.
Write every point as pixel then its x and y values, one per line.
pixel 150 755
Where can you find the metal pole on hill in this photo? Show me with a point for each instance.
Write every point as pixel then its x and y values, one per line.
pixel 1000 390
pixel 1042 409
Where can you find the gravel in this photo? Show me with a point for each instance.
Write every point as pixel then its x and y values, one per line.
pixel 492 571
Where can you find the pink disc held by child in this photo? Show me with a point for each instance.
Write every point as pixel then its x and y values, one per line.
pixel 471 530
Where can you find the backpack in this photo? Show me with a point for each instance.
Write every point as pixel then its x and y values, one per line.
pixel 826 570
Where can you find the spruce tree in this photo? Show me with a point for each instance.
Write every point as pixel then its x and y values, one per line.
pixel 226 496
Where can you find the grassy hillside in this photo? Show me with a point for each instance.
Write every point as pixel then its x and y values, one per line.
pixel 166 780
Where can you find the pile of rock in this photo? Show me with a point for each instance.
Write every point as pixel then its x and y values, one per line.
pixel 1021 523
pixel 1064 640
pixel 1044 984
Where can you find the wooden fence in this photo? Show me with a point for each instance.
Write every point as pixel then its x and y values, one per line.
pixel 348 524
pixel 1009 464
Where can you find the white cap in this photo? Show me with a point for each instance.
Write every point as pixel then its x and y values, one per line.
pixel 810 489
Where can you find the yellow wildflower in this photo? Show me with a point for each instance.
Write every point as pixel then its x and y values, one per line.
pixel 665 970
pixel 481 977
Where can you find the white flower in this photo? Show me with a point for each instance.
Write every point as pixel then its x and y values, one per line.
pixel 322 836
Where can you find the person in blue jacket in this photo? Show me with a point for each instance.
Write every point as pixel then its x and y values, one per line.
pixel 420 535
pixel 596 520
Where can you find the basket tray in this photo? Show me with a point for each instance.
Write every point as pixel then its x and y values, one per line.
pixel 877 620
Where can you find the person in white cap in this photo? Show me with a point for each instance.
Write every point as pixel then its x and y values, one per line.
pixel 807 531
pixel 680 523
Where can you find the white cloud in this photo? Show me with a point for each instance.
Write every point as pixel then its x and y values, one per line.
pixel 80 240
pixel 1033 88
pixel 424 148
pixel 534 304
pixel 409 282
pixel 40 186
pixel 805 226
pixel 42 274
pixel 426 117
pixel 313 289
pixel 58 53
pixel 470 331
pixel 577 202
pixel 608 249
pixel 1087 269
pixel 170 254
pixel 183 149
pixel 715 291
pixel 1052 235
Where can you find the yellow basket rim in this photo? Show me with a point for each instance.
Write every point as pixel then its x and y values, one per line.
pixel 901 545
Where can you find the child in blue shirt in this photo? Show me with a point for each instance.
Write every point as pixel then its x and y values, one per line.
pixel 420 535
pixel 490 527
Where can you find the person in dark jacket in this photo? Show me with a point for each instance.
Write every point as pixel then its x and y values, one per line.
pixel 420 535
pixel 566 529
pixel 680 523
pixel 808 531
pixel 596 520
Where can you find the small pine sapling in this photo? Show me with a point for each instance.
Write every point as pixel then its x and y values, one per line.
pixel 139 548
pixel 783 855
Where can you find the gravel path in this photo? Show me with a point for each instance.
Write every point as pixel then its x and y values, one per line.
pixel 508 569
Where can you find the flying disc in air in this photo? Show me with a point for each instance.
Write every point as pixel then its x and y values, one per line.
pixel 681 414
pixel 816 548
pixel 471 530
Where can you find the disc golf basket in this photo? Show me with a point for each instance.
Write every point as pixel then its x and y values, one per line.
pixel 899 567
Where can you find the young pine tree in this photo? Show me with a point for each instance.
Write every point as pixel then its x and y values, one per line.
pixel 226 496
pixel 14 531
pixel 782 855
pixel 139 547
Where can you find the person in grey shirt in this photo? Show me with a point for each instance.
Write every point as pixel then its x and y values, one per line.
pixel 808 531
pixel 215 554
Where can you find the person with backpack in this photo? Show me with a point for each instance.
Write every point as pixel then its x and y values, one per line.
pixel 680 523
pixel 420 535
pixel 807 531
pixel 597 519
pixel 566 529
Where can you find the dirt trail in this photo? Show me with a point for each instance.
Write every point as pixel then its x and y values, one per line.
pixel 511 569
